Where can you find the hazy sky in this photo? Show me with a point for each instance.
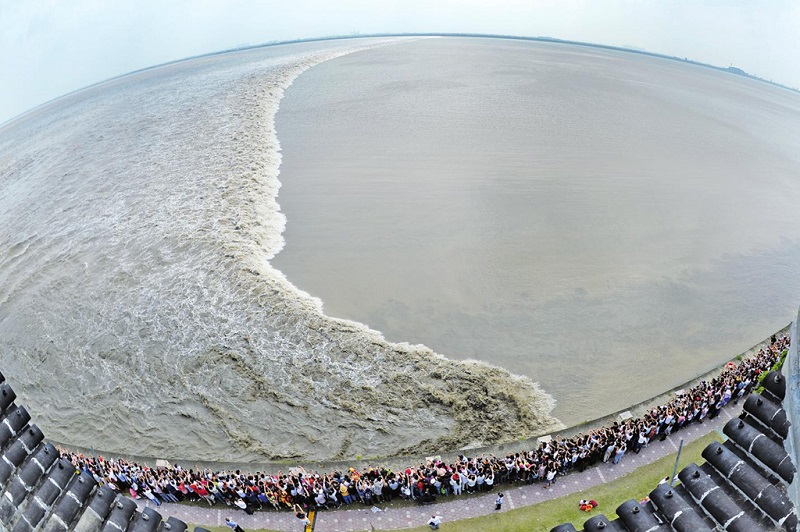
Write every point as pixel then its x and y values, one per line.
pixel 51 47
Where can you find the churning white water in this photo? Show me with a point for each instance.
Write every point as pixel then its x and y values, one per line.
pixel 139 311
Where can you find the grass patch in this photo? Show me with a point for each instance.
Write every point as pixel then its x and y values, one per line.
pixel 544 516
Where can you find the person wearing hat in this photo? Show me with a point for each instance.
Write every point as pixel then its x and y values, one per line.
pixel 233 525
pixel 434 522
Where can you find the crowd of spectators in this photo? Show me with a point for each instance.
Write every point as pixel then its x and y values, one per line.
pixel 301 490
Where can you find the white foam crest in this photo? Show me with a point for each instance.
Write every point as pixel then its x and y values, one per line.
pixel 146 309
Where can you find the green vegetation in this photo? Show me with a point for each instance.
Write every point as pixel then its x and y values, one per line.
pixel 544 516
pixel 776 367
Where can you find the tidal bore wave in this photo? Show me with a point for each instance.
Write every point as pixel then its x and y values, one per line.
pixel 139 312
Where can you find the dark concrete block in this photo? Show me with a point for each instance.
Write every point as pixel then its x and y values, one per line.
pixel 94 516
pixel 771 500
pixel 679 512
pixel 15 421
pixel 601 523
pixel 715 501
pixel 121 514
pixel 760 446
pixel 776 384
pixel 148 520
pixel 26 480
pixel 57 479
pixel 174 524
pixel 639 517
pixel 16 453
pixel 36 467
pixel 769 414
pixel 70 505
pixel 7 396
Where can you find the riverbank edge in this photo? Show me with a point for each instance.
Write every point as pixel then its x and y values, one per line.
pixel 402 461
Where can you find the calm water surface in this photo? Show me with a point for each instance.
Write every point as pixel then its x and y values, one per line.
pixel 606 223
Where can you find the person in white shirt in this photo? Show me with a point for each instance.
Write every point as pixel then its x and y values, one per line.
pixel 435 521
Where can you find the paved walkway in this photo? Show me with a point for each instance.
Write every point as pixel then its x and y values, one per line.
pixel 394 517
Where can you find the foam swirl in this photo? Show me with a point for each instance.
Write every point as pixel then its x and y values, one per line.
pixel 139 311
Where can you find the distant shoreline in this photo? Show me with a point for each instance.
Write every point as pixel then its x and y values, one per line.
pixel 730 70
